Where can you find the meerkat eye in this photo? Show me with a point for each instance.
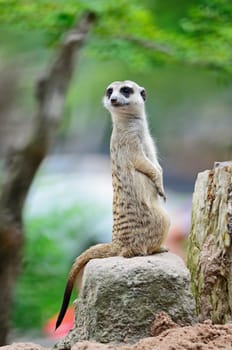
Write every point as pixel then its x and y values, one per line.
pixel 109 92
pixel 126 91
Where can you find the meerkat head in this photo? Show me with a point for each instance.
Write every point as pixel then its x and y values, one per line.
pixel 125 98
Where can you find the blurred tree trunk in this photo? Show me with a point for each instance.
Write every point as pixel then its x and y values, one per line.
pixel 210 248
pixel 22 164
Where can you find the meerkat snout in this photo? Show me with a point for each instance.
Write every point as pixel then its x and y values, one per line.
pixel 114 101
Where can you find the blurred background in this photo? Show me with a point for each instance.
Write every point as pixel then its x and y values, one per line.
pixel 180 51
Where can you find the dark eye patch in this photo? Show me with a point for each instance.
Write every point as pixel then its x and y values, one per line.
pixel 109 92
pixel 126 91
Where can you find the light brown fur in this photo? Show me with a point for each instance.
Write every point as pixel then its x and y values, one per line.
pixel 140 224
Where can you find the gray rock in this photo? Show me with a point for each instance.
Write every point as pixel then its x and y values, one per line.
pixel 121 297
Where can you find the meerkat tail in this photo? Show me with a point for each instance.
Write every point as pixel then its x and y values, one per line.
pixel 66 299
pixel 98 251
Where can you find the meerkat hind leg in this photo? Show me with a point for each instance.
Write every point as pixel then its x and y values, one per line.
pixel 161 249
pixel 127 253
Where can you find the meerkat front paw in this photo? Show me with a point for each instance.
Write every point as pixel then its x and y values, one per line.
pixel 161 193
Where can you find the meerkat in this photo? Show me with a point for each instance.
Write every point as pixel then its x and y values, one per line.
pixel 140 224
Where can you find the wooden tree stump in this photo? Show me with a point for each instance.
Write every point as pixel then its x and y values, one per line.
pixel 210 246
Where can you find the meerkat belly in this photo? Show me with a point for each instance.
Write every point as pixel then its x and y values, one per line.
pixel 138 221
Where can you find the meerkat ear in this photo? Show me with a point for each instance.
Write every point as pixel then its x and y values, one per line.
pixel 143 94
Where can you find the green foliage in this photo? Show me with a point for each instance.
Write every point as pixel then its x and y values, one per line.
pixel 133 31
pixel 52 243
pixel 208 34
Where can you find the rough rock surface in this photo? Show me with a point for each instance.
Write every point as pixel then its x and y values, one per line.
pixel 120 298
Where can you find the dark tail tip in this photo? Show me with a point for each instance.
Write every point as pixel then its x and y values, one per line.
pixel 66 299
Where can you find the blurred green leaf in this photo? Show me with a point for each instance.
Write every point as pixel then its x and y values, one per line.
pixel 200 34
pixel 52 244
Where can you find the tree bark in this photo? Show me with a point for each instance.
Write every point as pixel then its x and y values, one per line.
pixel 210 249
pixel 22 164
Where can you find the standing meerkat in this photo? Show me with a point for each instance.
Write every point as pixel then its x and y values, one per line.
pixel 140 224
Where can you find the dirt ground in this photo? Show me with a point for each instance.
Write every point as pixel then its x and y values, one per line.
pixel 166 336
pixel 169 336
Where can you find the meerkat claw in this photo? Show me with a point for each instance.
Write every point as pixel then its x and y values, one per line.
pixel 161 194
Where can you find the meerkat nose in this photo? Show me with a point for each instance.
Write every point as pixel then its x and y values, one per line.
pixel 113 100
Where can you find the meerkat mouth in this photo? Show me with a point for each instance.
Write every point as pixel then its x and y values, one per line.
pixel 118 104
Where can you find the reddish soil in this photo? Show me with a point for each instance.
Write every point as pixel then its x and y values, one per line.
pixel 170 336
pixel 166 336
